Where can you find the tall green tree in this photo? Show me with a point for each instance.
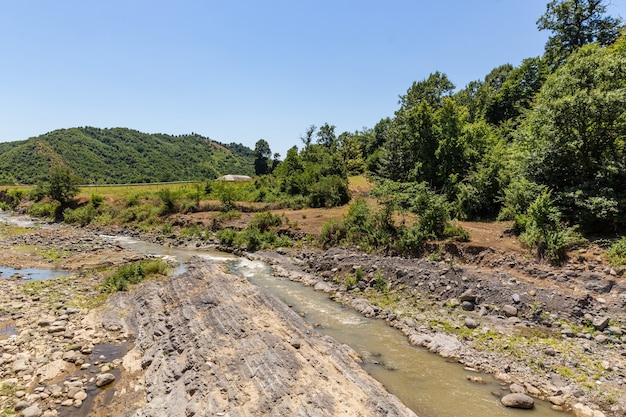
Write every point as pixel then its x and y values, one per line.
pixel 326 136
pixel 573 138
pixel 262 154
pixel 62 185
pixel 575 23
pixel 431 90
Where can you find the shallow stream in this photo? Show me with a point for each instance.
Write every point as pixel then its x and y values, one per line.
pixel 427 383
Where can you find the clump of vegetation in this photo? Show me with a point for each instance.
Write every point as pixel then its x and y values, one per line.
pixel 260 234
pixel 616 254
pixel 133 273
pixel 544 230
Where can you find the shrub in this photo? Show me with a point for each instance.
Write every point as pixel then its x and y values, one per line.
pixel 44 209
pixel 226 236
pixel 263 221
pixel 329 191
pixel 333 233
pixel 379 283
pixel 81 215
pixel 96 200
pixel 169 199
pixel 545 231
pixel 133 273
pixel 616 254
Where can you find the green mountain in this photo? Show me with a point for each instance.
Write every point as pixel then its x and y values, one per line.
pixel 120 155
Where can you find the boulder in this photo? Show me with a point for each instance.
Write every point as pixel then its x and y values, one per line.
pixel 518 400
pixel 104 379
pixel 509 310
pixel 32 411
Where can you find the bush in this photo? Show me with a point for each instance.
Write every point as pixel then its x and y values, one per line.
pixel 133 273
pixel 226 236
pixel 333 233
pixel 169 199
pixel 96 200
pixel 329 191
pixel 379 283
pixel 81 215
pixel 545 231
pixel 518 196
pixel 263 221
pixel 47 209
pixel 616 254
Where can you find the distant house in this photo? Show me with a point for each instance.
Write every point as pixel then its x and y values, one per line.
pixel 234 178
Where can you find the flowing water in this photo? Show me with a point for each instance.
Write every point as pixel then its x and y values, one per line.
pixel 428 384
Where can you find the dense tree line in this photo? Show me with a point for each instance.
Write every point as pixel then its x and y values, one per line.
pixel 542 143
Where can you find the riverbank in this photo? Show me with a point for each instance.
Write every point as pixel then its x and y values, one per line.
pixel 200 343
pixel 555 334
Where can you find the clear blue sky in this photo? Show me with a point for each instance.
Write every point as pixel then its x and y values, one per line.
pixel 238 71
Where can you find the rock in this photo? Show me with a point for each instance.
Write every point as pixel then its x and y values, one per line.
pixel 70 356
pixel 515 298
pixel 104 379
pixel 470 323
pixel 509 310
pixel 80 395
pixel 517 389
pixel 469 295
pixel 32 411
pixel 22 405
pixel 600 322
pixel 581 410
pixel 518 400
pixel 467 305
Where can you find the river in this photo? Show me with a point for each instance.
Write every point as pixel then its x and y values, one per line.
pixel 425 382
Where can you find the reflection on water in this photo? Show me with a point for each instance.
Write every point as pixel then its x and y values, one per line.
pixel 427 383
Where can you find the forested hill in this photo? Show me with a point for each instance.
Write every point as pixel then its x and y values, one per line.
pixel 121 155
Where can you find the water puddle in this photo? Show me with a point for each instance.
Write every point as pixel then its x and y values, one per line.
pixel 102 354
pixel 425 382
pixel 7 328
pixel 25 274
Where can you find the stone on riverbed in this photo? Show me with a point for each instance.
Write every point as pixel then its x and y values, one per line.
pixel 518 400
pixel 104 379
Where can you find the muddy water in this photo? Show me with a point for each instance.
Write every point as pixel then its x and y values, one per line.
pixel 425 382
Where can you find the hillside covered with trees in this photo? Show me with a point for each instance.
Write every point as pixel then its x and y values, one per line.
pixel 120 155
pixel 542 143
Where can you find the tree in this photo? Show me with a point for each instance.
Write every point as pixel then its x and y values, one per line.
pixel 307 139
pixel 262 154
pixel 326 136
pixel 575 23
pixel 62 185
pixel 517 92
pixel 431 90
pixel 573 138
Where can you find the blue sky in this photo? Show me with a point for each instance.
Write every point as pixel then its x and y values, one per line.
pixel 239 71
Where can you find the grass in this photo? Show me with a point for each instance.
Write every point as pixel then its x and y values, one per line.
pixel 10 230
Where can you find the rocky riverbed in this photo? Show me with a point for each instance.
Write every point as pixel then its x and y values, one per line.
pixel 554 333
pixel 201 343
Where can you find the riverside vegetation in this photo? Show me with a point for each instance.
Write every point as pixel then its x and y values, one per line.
pixel 535 153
